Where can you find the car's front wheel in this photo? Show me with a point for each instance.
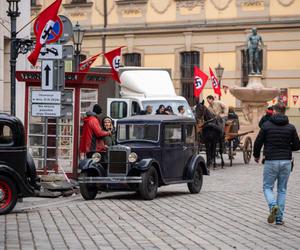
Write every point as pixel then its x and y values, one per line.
pixel 8 195
pixel 148 187
pixel 196 184
pixel 87 191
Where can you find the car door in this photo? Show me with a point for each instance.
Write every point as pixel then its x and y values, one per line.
pixel 173 151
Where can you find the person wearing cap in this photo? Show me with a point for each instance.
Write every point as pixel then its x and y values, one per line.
pixel 266 117
pixel 91 140
pixel 279 139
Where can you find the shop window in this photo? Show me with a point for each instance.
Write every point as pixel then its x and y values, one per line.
pixel 58 141
pixel 187 62
pixel 132 59
pixel 6 137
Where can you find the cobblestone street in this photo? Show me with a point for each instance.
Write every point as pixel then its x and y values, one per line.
pixel 229 213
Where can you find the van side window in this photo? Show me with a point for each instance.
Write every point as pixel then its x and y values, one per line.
pixel 173 134
pixel 6 136
pixel 135 108
pixel 118 109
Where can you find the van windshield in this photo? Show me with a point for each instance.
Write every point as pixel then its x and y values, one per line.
pixel 173 103
pixel 134 132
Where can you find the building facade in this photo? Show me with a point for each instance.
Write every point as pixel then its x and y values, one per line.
pixel 24 18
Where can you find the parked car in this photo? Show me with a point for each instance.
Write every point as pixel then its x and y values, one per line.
pixel 17 168
pixel 151 151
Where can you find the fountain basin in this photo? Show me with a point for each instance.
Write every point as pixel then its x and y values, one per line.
pixel 255 95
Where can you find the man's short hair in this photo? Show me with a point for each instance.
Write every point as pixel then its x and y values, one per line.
pixel 279 108
pixel 210 97
pixel 181 107
pixel 97 109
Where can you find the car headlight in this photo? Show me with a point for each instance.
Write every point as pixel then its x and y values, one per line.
pixel 132 157
pixel 96 157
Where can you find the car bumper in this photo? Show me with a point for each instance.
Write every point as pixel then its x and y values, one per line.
pixel 108 180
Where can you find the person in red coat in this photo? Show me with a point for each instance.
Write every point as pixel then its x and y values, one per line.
pixel 92 133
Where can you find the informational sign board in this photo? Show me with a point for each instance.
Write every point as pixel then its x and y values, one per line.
pixel 47 75
pixel 46 110
pixel 50 97
pixel 51 51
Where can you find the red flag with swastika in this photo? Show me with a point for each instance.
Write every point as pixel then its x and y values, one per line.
pixel 45 23
pixel 85 65
pixel 114 59
pixel 215 83
pixel 200 79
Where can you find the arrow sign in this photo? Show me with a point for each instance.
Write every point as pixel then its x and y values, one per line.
pixel 51 51
pixel 47 75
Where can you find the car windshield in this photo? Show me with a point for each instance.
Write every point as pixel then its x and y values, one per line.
pixel 137 132
pixel 173 103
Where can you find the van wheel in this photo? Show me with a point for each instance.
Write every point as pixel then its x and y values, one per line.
pixel 196 185
pixel 148 187
pixel 8 195
pixel 88 191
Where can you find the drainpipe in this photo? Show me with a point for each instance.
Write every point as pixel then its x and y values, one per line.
pixel 104 26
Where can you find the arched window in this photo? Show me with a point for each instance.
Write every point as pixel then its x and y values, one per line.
pixel 187 62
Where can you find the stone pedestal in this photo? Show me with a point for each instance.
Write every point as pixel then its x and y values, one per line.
pixel 254 99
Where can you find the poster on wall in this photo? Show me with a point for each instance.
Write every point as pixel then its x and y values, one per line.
pixel 283 96
pixel 295 99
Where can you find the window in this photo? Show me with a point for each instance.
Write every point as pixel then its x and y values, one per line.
pixel 132 59
pixel 118 109
pixel 135 108
pixel 5 135
pixel 128 132
pixel 190 134
pixel 78 1
pixel 187 62
pixel 172 134
pixel 33 2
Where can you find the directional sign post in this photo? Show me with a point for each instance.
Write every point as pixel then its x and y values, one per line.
pixel 47 75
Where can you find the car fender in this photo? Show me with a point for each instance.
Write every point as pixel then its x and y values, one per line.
pixel 23 188
pixel 195 160
pixel 87 165
pixel 145 164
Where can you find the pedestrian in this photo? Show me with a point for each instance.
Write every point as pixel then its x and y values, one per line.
pixel 92 133
pixel 217 107
pixel 108 125
pixel 279 139
pixel 266 117
pixel 181 110
pixel 160 110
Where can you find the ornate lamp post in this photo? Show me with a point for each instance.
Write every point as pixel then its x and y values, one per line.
pixel 219 71
pixel 78 35
pixel 17 46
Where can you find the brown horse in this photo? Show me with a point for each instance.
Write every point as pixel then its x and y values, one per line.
pixel 211 133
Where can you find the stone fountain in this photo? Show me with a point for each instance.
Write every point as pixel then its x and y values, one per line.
pixel 255 95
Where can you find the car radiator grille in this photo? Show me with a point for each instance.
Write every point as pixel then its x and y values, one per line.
pixel 117 162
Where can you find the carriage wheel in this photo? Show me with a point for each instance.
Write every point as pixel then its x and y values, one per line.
pixel 247 150
pixel 230 153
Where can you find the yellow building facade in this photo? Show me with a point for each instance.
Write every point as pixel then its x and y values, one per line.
pixel 178 33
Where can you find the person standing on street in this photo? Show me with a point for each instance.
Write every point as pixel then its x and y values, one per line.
pixel 92 133
pixel 279 139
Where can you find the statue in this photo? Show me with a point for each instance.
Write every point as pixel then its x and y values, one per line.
pixel 254 43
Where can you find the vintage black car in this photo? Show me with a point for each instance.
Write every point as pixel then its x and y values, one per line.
pixel 17 169
pixel 151 151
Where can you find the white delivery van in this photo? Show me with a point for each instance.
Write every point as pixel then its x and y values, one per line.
pixel 140 88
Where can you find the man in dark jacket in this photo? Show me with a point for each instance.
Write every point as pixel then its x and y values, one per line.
pixel 279 139
pixel 92 133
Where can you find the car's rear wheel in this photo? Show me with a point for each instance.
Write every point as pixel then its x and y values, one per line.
pixel 148 187
pixel 88 191
pixel 196 185
pixel 8 195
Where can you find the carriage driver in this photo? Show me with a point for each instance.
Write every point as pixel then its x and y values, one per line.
pixel 217 107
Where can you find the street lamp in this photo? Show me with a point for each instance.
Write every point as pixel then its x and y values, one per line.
pixel 219 71
pixel 17 46
pixel 78 35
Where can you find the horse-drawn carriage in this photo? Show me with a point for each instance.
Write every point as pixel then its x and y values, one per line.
pixel 216 137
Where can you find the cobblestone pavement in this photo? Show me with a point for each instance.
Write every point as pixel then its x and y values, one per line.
pixel 229 213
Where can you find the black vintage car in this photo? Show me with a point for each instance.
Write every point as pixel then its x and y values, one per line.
pixel 151 151
pixel 17 169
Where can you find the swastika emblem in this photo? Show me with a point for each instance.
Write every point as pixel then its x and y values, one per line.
pixel 116 63
pixel 198 82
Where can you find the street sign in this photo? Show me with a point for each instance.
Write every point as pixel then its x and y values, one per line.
pixel 51 51
pixel 46 110
pixel 52 34
pixel 52 97
pixel 47 75
pixel 67 33
pixel 68 52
